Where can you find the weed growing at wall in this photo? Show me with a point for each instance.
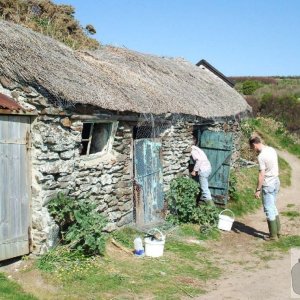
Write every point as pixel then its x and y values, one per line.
pixel 182 198
pixel 80 223
pixel 183 207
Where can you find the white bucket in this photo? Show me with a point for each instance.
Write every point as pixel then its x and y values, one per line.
pixel 155 247
pixel 225 222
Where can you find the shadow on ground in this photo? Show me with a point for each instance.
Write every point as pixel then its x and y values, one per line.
pixel 239 227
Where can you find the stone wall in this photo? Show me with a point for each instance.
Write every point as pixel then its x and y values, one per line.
pixel 176 149
pixel 105 178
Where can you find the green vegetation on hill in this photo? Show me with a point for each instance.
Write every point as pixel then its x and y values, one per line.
pixel 56 21
pixel 274 134
pixel 276 97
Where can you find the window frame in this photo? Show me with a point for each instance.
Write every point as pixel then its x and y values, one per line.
pixel 108 147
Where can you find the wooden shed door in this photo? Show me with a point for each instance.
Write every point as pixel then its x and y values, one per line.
pixel 14 186
pixel 218 148
pixel 149 198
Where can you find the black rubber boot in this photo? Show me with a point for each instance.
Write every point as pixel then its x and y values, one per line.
pixel 273 230
pixel 278 226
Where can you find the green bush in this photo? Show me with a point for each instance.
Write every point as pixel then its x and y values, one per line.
pixel 80 223
pixel 285 109
pixel 182 198
pixel 183 206
pixel 250 86
pixel 206 216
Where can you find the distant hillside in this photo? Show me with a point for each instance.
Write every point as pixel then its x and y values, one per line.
pixel 54 20
pixel 278 97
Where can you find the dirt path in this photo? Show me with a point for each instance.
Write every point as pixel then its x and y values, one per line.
pixel 247 276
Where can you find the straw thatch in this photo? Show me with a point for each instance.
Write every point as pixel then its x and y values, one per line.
pixel 114 78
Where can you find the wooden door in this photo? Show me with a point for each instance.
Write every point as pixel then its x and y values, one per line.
pixel 14 186
pixel 218 148
pixel 149 198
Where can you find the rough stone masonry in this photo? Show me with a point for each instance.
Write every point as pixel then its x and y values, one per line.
pixel 106 179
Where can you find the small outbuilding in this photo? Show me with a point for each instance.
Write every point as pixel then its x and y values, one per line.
pixel 113 126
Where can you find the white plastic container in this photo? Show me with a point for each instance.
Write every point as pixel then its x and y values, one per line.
pixel 155 247
pixel 225 222
pixel 138 246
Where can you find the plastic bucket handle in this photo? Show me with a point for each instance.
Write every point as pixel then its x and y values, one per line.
pixel 155 229
pixel 227 210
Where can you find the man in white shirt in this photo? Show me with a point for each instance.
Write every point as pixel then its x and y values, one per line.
pixel 268 183
pixel 202 167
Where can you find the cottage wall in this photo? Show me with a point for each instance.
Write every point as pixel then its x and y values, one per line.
pixel 58 167
pixel 105 179
pixel 176 147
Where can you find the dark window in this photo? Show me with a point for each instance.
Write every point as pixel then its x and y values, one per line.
pixel 95 137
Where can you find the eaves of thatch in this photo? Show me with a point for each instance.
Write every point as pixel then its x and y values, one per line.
pixel 114 78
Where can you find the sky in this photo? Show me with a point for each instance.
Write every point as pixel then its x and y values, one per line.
pixel 238 37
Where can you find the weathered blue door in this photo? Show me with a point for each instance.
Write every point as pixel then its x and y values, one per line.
pixel 149 198
pixel 218 148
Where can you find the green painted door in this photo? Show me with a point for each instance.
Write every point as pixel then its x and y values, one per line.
pixel 218 148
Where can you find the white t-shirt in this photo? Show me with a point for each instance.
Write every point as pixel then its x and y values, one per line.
pixel 268 161
pixel 202 163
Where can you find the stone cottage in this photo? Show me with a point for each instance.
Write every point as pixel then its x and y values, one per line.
pixel 113 126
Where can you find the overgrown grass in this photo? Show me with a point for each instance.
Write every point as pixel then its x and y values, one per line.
pixel 283 244
pixel 10 290
pixel 273 249
pixel 126 236
pixel 275 135
pixel 244 201
pixel 48 18
pixel 182 270
pixel 285 172
pixel 292 214
pixel 194 232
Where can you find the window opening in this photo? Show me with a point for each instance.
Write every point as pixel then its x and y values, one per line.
pixel 95 137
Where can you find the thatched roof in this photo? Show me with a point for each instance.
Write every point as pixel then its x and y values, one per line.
pixel 114 78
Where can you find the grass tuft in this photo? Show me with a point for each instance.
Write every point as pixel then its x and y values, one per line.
pixel 292 214
pixel 10 290
pixel 244 201
pixel 284 243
